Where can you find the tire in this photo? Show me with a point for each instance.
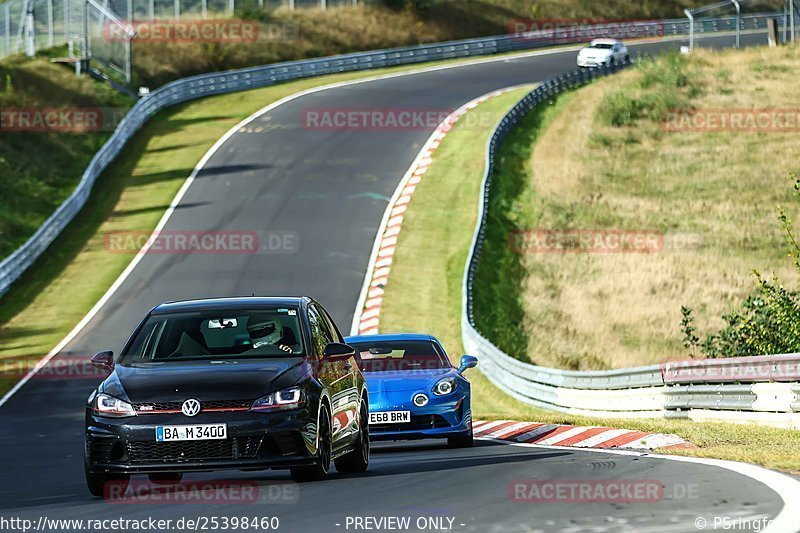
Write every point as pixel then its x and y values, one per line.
pixel 627 59
pixel 357 460
pixel 461 441
pixel 96 483
pixel 322 463
pixel 168 478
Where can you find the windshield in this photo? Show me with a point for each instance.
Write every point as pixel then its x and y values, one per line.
pixel 602 46
pixel 387 356
pixel 217 334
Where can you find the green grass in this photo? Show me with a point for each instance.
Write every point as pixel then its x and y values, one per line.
pixel 426 296
pixel 38 170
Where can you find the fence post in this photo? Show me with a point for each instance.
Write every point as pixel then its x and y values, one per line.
pixel 291 5
pixel 177 9
pixel 30 44
pixel 691 28
pixel 67 36
pixel 50 39
pixel 151 8
pixel 8 28
pixel 204 7
pixel 231 6
pixel 323 5
pixel 738 21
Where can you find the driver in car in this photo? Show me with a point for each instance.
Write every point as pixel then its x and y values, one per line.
pixel 269 331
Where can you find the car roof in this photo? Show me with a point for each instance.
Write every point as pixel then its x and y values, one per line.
pixel 239 302
pixel 391 337
pixel 603 41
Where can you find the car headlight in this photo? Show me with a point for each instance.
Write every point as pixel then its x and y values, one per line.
pixel 290 398
pixel 105 405
pixel 444 386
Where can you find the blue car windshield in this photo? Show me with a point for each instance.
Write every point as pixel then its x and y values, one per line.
pixel 388 356
pixel 216 334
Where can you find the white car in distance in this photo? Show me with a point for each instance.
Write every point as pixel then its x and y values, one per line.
pixel 603 52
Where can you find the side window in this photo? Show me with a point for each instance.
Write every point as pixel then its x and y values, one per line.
pixel 320 335
pixel 336 336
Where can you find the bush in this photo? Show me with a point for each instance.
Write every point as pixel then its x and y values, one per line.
pixel 664 84
pixel 618 108
pixel 768 321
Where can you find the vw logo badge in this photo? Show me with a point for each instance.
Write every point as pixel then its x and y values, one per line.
pixel 191 407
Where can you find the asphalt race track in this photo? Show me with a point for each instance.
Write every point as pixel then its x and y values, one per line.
pixel 328 191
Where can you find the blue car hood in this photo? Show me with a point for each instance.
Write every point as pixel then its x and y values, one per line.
pixel 405 380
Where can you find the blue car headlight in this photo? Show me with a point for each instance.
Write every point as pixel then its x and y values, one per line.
pixel 444 386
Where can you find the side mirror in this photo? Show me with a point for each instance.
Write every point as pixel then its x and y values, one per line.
pixel 467 361
pixel 104 360
pixel 336 351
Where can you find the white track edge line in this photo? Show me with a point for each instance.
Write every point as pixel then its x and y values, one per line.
pixel 785 486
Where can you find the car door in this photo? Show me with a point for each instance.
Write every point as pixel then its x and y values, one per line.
pixel 332 374
pixel 326 372
pixel 349 369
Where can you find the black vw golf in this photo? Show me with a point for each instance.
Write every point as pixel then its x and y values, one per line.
pixel 242 383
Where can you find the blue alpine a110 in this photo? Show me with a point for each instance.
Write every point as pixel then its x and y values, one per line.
pixel 414 390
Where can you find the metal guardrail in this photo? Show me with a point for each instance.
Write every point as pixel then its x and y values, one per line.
pixel 764 386
pixel 176 92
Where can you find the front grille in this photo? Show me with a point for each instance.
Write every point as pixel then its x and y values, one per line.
pixel 145 408
pixel 193 451
pixel 418 422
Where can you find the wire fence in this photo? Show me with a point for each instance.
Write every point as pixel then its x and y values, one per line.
pixel 44 24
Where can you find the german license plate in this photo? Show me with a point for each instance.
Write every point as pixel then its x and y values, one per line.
pixel 195 432
pixel 390 417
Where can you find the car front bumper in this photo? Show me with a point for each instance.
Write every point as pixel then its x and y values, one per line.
pixel 254 440
pixel 591 62
pixel 443 416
